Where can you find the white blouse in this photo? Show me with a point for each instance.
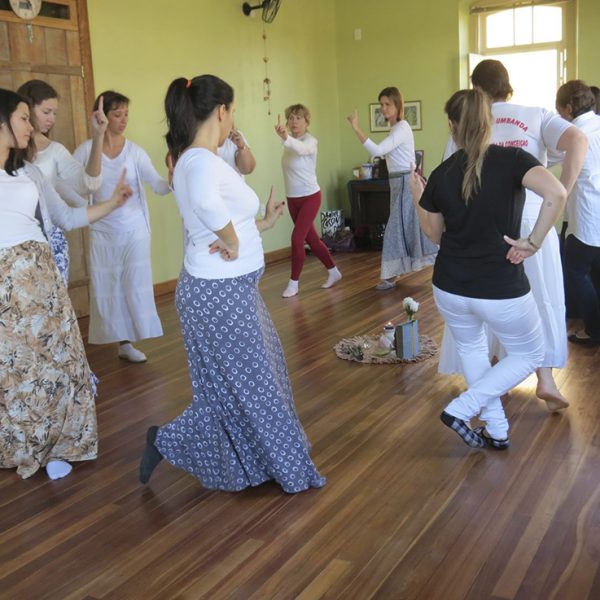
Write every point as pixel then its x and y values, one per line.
pixel 398 148
pixel 210 194
pixel 299 164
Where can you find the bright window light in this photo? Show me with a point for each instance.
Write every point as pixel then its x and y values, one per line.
pixel 499 29
pixel 547 24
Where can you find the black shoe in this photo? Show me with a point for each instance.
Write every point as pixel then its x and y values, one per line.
pixel 469 437
pixel 584 341
pixel 151 456
pixel 490 441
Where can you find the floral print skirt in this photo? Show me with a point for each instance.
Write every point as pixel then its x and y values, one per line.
pixel 47 408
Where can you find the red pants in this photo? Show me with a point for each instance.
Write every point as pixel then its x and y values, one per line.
pixel 303 211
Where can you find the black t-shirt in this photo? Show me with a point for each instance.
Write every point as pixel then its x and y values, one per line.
pixel 472 258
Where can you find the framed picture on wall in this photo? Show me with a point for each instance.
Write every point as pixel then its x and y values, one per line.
pixel 377 120
pixel 412 114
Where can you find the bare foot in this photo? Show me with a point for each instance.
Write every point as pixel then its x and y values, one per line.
pixel 554 400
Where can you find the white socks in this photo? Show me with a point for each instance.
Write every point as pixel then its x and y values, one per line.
pixel 333 277
pixel 58 468
pixel 291 289
pixel 292 286
pixel 128 352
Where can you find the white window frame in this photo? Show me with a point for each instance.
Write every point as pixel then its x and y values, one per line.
pixel 567 56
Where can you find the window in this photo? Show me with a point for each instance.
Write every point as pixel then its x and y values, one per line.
pixel 533 39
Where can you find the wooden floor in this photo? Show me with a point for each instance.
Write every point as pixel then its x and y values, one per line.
pixel 409 512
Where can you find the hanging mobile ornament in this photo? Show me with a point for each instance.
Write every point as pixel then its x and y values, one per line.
pixel 266 80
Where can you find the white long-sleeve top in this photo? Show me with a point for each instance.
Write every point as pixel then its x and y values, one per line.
pixel 398 148
pixel 583 205
pixel 299 163
pixel 56 163
pixel 210 194
pixel 19 198
pixel 134 215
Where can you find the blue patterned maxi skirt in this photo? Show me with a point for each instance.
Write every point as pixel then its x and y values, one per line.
pixel 241 428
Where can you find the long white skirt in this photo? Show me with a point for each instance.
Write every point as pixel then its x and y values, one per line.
pixel 544 271
pixel 121 293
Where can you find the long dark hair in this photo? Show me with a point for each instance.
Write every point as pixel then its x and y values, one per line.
pixel 36 91
pixel 190 102
pixel 9 101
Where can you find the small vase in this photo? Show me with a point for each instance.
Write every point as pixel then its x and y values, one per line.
pixel 407 339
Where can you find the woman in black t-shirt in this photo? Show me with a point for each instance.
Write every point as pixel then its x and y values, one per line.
pixel 472 206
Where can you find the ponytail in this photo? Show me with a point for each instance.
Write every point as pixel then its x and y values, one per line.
pixel 190 102
pixel 473 135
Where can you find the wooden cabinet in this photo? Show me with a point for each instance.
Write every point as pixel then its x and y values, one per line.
pixel 369 210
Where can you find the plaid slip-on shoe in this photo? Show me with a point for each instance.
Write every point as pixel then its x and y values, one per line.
pixel 490 441
pixel 469 436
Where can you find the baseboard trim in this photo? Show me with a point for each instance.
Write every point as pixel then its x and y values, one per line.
pixel 168 287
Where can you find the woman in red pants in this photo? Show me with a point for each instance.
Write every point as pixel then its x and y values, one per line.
pixel 303 193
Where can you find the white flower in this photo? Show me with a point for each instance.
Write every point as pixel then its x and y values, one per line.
pixel 410 306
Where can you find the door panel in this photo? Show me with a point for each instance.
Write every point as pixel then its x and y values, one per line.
pixel 56 50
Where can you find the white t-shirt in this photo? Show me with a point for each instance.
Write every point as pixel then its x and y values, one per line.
pixel 228 152
pixel 583 205
pixel 532 128
pixel 299 164
pixel 18 202
pixel 210 194
pixel 398 148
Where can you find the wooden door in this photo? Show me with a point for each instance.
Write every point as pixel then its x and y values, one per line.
pixel 55 47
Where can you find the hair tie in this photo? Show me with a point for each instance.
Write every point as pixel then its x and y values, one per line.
pixel 188 84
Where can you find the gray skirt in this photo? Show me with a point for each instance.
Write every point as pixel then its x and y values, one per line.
pixel 241 428
pixel 405 247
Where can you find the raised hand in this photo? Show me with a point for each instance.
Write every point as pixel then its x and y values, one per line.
pixel 122 191
pixel 416 183
pixel 236 137
pixel 280 129
pixel 99 122
pixel 353 118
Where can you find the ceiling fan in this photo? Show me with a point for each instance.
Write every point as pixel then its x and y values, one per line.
pixel 269 9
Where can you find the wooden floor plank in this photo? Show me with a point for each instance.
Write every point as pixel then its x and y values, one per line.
pixel 409 512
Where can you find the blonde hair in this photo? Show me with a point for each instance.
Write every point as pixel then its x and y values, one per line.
pixel 473 134
pixel 298 109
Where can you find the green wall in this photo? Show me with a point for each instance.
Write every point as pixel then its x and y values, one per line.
pixel 138 48
pixel 403 45
pixel 588 46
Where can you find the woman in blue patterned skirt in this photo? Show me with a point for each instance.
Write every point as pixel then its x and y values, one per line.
pixel 241 428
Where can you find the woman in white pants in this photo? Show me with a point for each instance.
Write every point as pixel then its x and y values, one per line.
pixel 539 132
pixel 472 206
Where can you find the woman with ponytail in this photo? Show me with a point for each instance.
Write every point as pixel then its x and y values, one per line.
pixel 539 132
pixel 472 206
pixel 122 307
pixel 241 428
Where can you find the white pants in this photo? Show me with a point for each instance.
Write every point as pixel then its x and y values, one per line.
pixel 516 323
